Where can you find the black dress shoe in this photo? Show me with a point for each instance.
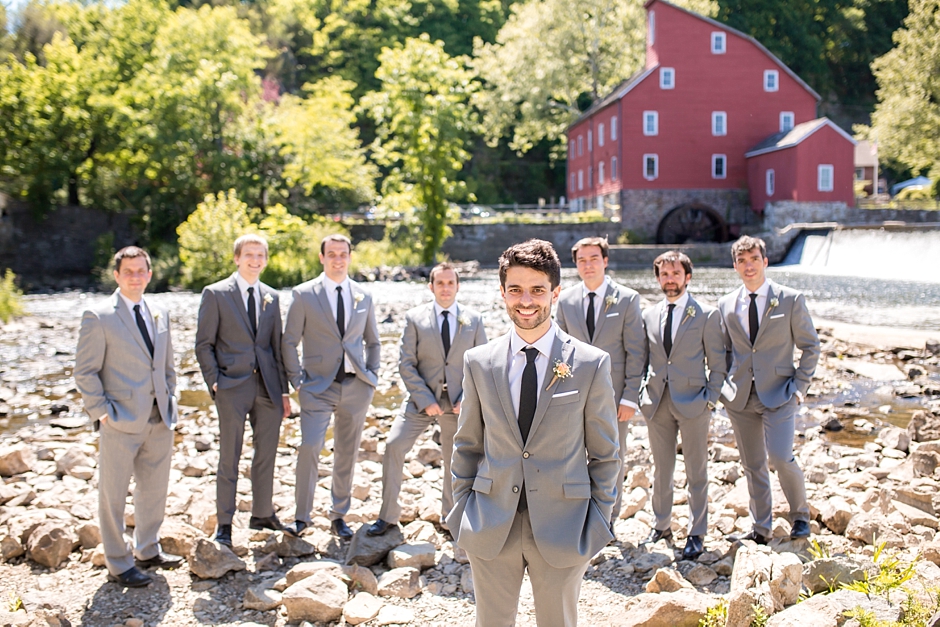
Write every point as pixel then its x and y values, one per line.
pixel 693 548
pixel 751 535
pixel 131 578
pixel 658 534
pixel 161 560
pixel 224 535
pixel 295 529
pixel 378 528
pixel 341 529
pixel 271 522
pixel 800 530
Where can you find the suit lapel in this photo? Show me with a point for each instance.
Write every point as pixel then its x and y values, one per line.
pixel 319 294
pixel 731 318
pixel 499 366
pixel 431 326
pixel 599 326
pixel 686 321
pixel 765 317
pixel 125 316
pixel 561 352
pixel 657 340
pixel 575 311
pixel 235 298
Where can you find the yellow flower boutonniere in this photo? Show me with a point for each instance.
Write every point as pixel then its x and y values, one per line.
pixel 610 301
pixel 357 298
pixel 689 313
pixel 267 300
pixel 561 371
pixel 463 320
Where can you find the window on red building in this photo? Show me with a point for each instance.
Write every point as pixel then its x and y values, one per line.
pixel 786 121
pixel 600 134
pixel 613 128
pixel 824 178
pixel 718 43
pixel 650 123
pixel 580 145
pixel 667 77
pixel 771 80
pixel 591 176
pixel 590 141
pixel 614 174
pixel 650 167
pixel 770 182
pixel 719 166
pixel 719 123
pixel 600 173
pixel 580 179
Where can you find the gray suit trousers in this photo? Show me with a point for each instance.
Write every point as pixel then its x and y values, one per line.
pixel 623 429
pixel 401 437
pixel 762 432
pixel 234 404
pixel 496 582
pixel 348 402
pixel 146 456
pixel 665 424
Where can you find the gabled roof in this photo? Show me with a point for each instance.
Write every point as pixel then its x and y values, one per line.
pixel 759 45
pixel 617 93
pixel 789 139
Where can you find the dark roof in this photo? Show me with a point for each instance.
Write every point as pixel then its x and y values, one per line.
pixel 788 139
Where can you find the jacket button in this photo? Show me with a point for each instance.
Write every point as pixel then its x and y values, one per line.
pixel 515 488
pixel 525 455
pixel 753 350
pixel 669 363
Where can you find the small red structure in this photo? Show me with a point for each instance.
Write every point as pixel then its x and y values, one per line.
pixel 677 148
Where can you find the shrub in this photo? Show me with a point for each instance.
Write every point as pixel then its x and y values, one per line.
pixel 206 238
pixel 294 246
pixel 11 303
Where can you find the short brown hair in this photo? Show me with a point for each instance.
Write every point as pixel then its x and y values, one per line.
pixel 746 243
pixel 250 238
pixel 600 242
pixel 130 252
pixel 335 237
pixel 441 267
pixel 672 256
pixel 536 254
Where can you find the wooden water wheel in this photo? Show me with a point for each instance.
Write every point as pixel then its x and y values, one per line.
pixel 691 223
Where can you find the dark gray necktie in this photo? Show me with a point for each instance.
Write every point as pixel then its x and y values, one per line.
pixel 143 329
pixel 528 399
pixel 667 330
pixel 590 316
pixel 752 318
pixel 445 332
pixel 340 311
pixel 252 318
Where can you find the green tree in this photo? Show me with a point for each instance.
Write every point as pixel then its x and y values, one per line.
pixel 906 121
pixel 207 238
pixel 423 120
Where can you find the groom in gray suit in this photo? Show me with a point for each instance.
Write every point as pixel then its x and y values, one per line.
pixel 124 371
pixel 763 323
pixel 435 338
pixel 685 353
pixel 238 345
pixel 535 461
pixel 335 319
pixel 605 314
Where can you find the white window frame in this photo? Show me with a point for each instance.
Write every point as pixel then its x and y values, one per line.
pixel 655 159
pixel 614 174
pixel 580 145
pixel 600 173
pixel 600 134
pixel 774 76
pixel 724 169
pixel 580 180
pixel 663 73
pixel 784 115
pixel 719 41
pixel 613 128
pixel 723 129
pixel 770 182
pixel 825 174
pixel 650 116
pixel 651 27
pixel 590 140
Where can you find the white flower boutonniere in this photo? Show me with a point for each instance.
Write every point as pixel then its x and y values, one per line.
pixel 463 320
pixel 610 301
pixel 774 302
pixel 689 313
pixel 357 298
pixel 157 315
pixel 561 371
pixel 267 300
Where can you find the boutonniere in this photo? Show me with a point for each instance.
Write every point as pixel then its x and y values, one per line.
pixel 357 298
pixel 774 302
pixel 463 320
pixel 267 300
pixel 609 301
pixel 561 371
pixel 689 313
pixel 156 316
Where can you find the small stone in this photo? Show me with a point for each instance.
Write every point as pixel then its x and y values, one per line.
pixel 178 538
pixel 400 582
pixel 209 560
pixel 89 535
pixel 394 615
pixel 361 578
pixel 261 599
pixel 16 459
pixel 420 555
pixel 318 598
pixel 307 569
pixel 361 608
pixel 701 575
pixel 50 544
pixel 367 550
pixel 633 502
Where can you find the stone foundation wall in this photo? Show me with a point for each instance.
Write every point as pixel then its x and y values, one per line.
pixel 643 209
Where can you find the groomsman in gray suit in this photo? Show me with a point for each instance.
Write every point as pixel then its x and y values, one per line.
pixel 238 345
pixel 763 323
pixel 535 455
pixel 124 371
pixel 686 366
pixel 335 319
pixel 607 315
pixel 435 338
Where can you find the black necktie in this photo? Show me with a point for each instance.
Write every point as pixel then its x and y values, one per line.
pixel 340 311
pixel 143 329
pixel 667 330
pixel 590 316
pixel 252 319
pixel 529 392
pixel 752 317
pixel 445 332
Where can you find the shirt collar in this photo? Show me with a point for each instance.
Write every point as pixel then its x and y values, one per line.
pixel 600 291
pixel 761 291
pixel 130 304
pixel 332 285
pixel 243 285
pixel 544 343
pixel 680 304
pixel 452 309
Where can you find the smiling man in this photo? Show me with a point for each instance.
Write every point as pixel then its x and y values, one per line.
pixel 238 346
pixel 763 323
pixel 535 455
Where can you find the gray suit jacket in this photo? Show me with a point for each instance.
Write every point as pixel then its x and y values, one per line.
pixel 311 319
pixel 569 465
pixel 422 365
pixel 227 352
pixel 694 369
pixel 114 371
pixel 619 332
pixel 769 361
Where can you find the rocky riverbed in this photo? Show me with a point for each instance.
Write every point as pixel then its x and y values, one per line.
pixel 871 473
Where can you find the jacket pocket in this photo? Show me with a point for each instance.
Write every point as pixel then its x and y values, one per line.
pixel 119 394
pixel 577 490
pixel 482 485
pixel 785 371
pixel 313 359
pixel 564 398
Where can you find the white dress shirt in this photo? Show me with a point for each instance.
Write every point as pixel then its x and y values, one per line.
pixel 144 311
pixel 517 362
pixel 243 286
pixel 744 302
pixel 599 295
pixel 330 286
pixel 678 313
pixel 452 313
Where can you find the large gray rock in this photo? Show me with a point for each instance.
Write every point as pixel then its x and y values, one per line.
pixel 360 578
pixel 633 502
pixel 307 569
pixel 827 610
pixel 50 543
pixel 16 459
pixel 400 582
pixel 667 580
pixel 786 578
pixel 645 562
pixel 701 575
pixel 366 550
pixel 361 608
pixel 209 560
pixel 683 608
pixel 830 572
pixel 419 555
pixel 317 598
pixel 836 514
pixel 864 526
pixel 894 438
pixel 924 426
pixel 750 585
pixel 74 457
pixel 286 545
pixel 261 599
pixel 178 538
